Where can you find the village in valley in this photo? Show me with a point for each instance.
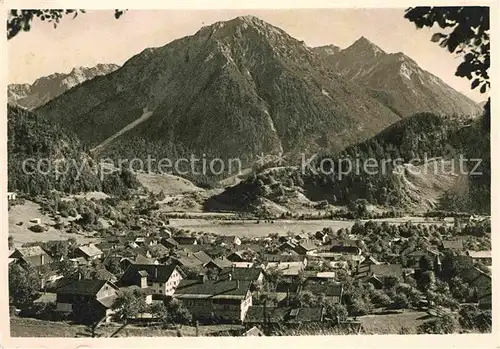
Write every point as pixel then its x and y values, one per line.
pixel 124 268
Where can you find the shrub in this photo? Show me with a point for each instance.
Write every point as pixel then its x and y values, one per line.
pixel 37 228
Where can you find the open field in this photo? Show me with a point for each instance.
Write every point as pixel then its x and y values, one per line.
pixel 27 327
pixel 169 184
pixel 250 228
pixel 30 210
pixel 205 221
pixel 392 323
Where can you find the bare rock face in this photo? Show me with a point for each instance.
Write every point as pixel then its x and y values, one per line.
pixel 49 87
pixel 398 82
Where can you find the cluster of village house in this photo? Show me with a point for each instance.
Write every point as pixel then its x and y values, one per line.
pixel 229 297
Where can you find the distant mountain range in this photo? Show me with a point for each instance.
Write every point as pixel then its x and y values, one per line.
pixel 397 81
pixel 244 87
pixel 233 89
pixel 47 88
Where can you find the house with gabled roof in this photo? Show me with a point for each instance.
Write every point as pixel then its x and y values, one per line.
pixel 219 263
pixel 89 252
pixel 288 269
pixel 312 275
pixel 89 296
pixel 259 314
pixel 306 248
pixel 287 246
pixel 33 256
pixel 229 240
pixel 333 291
pixel 161 279
pixel 246 255
pixel 203 257
pixel 215 301
pixel 346 246
pixel 278 258
pixel 480 256
pixel 125 262
pixel 379 272
pixel 481 282
pixel 413 258
pixel 363 267
pixel 254 275
pixel 37 258
pixel 170 243
pixel 322 236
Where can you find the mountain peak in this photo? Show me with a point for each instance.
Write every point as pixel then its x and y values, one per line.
pixel 249 19
pixel 48 87
pixel 238 24
pixel 365 45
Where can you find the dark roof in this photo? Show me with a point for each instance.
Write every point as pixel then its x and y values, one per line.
pixel 220 289
pixel 155 273
pixel 227 238
pixel 169 241
pixel 138 251
pixel 220 263
pixel 387 270
pixel 453 244
pixel 299 315
pixel 287 245
pixel 284 287
pixel 345 242
pixel 194 248
pixel 242 274
pixel 283 258
pixel 329 289
pixel 185 240
pixel 105 246
pixel 83 287
pixel 259 314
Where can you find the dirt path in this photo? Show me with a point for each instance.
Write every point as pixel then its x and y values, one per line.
pixel 146 114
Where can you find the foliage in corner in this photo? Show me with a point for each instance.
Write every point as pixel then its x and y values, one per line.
pixel 21 20
pixel 466 33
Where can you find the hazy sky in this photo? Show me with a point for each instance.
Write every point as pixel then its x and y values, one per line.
pixel 97 37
